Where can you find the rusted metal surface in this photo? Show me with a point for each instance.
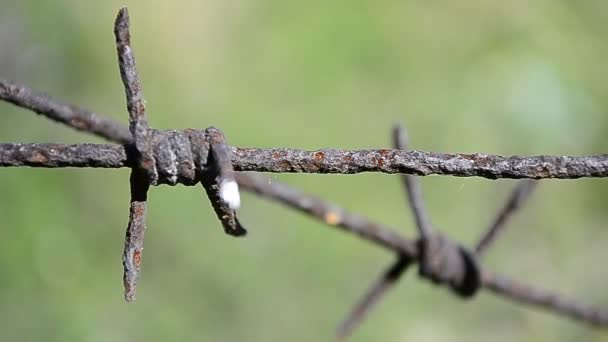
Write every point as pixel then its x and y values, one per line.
pixel 418 163
pixel 138 122
pixel 344 162
pixel 144 172
pixel 220 172
pixel 134 238
pixel 230 222
pixel 61 155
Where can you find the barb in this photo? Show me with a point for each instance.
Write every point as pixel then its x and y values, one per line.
pixel 386 281
pixel 372 296
pixel 519 195
pixel 229 191
pixel 388 238
pixel 144 173
pixel 220 185
pixel 412 187
pixel 138 122
pixel 134 237
pixel 441 260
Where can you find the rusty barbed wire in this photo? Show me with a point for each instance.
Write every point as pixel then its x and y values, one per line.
pixel 283 159
pixel 143 174
pixel 389 238
pixel 336 161
pixel 441 260
pixel 413 191
pixel 192 156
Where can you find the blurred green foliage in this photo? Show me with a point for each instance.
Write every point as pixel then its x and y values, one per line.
pixel 476 76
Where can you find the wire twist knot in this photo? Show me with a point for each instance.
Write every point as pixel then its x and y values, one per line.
pixel 445 262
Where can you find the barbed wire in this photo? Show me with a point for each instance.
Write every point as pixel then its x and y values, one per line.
pixel 193 156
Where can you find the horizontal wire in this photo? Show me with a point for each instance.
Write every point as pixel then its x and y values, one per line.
pixel 325 161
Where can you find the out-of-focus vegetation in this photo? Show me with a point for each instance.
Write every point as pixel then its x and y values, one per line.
pixel 507 77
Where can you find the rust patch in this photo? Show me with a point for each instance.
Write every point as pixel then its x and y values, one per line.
pixel 38 157
pixel 79 123
pixel 278 154
pixel 332 218
pixel 285 165
pixel 139 210
pixel 542 171
pixel 319 156
pixel 137 258
pixel 241 151
pixel 347 159
pixel 480 160
pixel 310 165
pixel 384 152
pixel 275 154
pixel 471 157
pixel 380 162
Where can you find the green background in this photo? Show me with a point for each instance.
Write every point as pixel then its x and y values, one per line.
pixel 504 77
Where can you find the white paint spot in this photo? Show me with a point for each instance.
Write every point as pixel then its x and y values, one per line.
pixel 229 193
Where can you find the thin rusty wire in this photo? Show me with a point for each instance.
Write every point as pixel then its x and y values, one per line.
pixel 412 187
pixel 335 161
pixel 293 160
pixel 143 174
pixel 515 201
pixel 385 282
pixel 389 238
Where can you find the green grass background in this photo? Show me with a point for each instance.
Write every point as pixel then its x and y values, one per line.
pixel 514 77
